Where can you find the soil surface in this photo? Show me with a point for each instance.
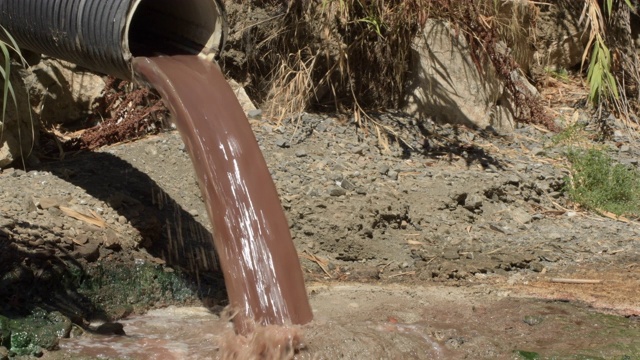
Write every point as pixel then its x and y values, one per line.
pixel 460 227
pixel 362 321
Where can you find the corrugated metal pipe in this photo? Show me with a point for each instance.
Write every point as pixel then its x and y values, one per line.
pixel 104 35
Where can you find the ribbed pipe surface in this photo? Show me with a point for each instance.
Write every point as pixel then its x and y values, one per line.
pixel 94 33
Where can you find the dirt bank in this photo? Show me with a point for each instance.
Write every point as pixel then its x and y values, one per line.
pixel 436 205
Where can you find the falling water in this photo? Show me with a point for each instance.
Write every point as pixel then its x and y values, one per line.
pixel 261 268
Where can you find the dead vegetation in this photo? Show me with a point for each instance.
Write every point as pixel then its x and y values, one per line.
pixel 352 55
pixel 126 112
pixel 347 56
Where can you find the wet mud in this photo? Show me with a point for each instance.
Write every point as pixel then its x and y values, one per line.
pixel 358 321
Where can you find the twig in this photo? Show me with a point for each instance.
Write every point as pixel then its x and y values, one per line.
pixel 495 251
pixel 575 281
pixel 320 262
pixel 402 274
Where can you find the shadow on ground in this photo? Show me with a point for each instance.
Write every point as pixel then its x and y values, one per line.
pixel 48 275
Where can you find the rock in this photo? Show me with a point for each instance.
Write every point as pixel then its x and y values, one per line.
pixel 532 320
pixel 451 254
pixel 536 266
pixel 560 36
pixel 301 153
pixel 49 202
pixel 537 151
pixel 6 223
pixel 281 142
pixel 62 92
pixel 473 202
pixel 89 252
pixel 521 216
pixel 392 174
pixel 111 328
pixel 4 353
pixel 337 192
pixel 458 94
pixel 254 114
pixel 347 185
pixel 30 204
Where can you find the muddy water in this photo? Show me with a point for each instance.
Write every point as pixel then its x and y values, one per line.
pixel 260 264
pixel 360 321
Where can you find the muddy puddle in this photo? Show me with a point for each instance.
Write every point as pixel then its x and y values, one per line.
pixel 359 321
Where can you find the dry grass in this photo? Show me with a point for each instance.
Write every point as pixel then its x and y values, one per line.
pixel 353 56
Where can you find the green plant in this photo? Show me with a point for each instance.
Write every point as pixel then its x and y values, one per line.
pixel 571 134
pixel 8 48
pixel 602 83
pixel 560 74
pixel 600 184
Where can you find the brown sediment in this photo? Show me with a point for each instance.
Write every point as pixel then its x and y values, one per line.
pixel 267 342
pixel 261 268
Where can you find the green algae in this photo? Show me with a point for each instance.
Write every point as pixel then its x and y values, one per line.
pixel 106 291
pixel 608 337
pixel 30 335
pixel 123 289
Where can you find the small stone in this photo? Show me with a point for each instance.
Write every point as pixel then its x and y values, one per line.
pixel 450 254
pixel 4 353
pixel 111 240
pixel 151 150
pixel 49 202
pixel 473 202
pixel 347 185
pixel 121 311
pixel 555 236
pixel 392 174
pixel 89 252
pixel 301 153
pixel 383 169
pixel 254 114
pixel 81 239
pixel 536 266
pixel 521 216
pixel 361 191
pixel 555 194
pixel 359 150
pixel 625 148
pixel 337 192
pixel 30 204
pixel 281 142
pixel 110 329
pixel 513 180
pixel 454 343
pixel 6 223
pixel 532 320
pixel 537 151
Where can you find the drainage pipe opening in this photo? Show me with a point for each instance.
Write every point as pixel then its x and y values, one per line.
pixel 169 27
pixel 105 35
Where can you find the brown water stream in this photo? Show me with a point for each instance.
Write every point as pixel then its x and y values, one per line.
pixel 361 321
pixel 261 268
